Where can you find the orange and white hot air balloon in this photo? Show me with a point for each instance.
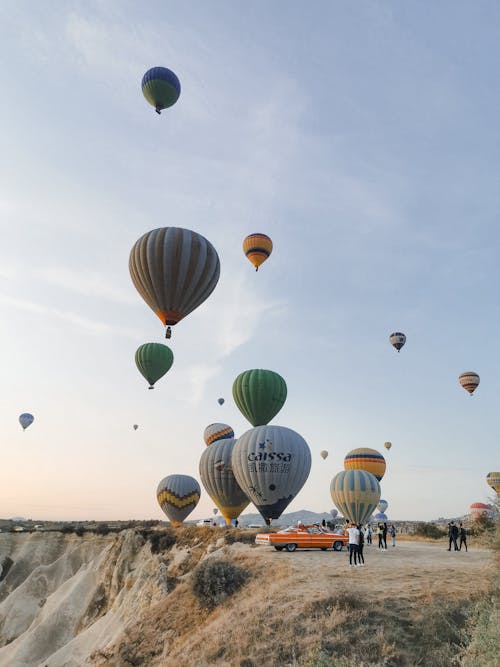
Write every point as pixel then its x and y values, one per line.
pixel 257 248
pixel 469 381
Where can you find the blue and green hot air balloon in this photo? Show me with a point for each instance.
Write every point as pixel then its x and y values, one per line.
pixel 161 87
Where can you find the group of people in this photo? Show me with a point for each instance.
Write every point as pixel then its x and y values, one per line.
pixel 457 533
pixel 356 542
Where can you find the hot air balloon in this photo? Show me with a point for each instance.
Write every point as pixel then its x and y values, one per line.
pixel 161 88
pixel 153 360
pixel 323 453
pixel 217 477
pixel 355 493
pixel 387 445
pixel 367 459
pixel 220 401
pixel 174 270
pixel 259 395
pixel 380 517
pixel 469 381
pixel 382 505
pixel 136 426
pixel 178 495
pixel 479 510
pixel 397 340
pixel 25 420
pixel 257 248
pixel 334 513
pixel 271 465
pixel 215 432
pixel 493 479
pixel 215 510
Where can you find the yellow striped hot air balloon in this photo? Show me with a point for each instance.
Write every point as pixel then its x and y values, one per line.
pixel 178 495
pixel 367 459
pixel 257 248
pixel 493 479
pixel 355 494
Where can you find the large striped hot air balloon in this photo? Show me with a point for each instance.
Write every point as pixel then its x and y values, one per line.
pixel 259 395
pixel 174 270
pixel 215 432
pixel 367 459
pixel 355 493
pixel 493 479
pixel 178 495
pixel 469 381
pixel 257 248
pixel 161 88
pixel 217 477
pixel 153 360
pixel 397 340
pixel 271 465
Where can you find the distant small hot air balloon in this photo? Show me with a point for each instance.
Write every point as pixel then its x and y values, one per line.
pixel 161 88
pixel 153 360
pixel 215 510
pixel 493 479
pixel 25 420
pixel 220 401
pixel 178 495
pixel 367 459
pixel 334 513
pixel 323 453
pixel 397 340
pixel 382 505
pixel 136 426
pixel 387 445
pixel 216 432
pixel 257 247
pixel 479 510
pixel 469 381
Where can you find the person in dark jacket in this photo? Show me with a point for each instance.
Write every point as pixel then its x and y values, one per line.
pixel 384 535
pixel 361 544
pixel 452 536
pixel 463 536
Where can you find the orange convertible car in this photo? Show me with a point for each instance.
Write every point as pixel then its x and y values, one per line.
pixel 302 536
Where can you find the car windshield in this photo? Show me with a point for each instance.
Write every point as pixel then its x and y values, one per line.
pixel 314 530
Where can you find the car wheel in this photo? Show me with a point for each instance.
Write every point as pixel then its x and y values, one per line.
pixel 337 545
pixel 291 547
pixel 278 548
pixel 323 548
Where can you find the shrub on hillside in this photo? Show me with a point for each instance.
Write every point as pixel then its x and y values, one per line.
pixel 246 536
pixel 102 529
pixel 80 531
pixel 159 541
pixel 429 530
pixel 214 581
pixel 67 529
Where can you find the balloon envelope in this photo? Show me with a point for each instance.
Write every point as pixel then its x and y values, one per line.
pixel 323 454
pixel 397 340
pixel 380 517
pixel 271 465
pixel 174 270
pixel 257 248
pixel 153 360
pixel 382 505
pixel 136 426
pixel 387 445
pixel 215 432
pixel 217 477
pixel 367 459
pixel 259 394
pixel 220 401
pixel 161 87
pixel 178 495
pixel 26 419
pixel 355 493
pixel 469 381
pixel 493 479
pixel 334 513
pixel 215 510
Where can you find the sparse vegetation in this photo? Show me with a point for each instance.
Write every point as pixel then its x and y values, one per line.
pixel 159 541
pixel 429 530
pixel 214 581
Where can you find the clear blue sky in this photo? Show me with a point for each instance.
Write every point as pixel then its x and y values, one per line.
pixel 363 138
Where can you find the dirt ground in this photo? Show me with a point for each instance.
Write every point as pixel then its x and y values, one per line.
pixel 410 569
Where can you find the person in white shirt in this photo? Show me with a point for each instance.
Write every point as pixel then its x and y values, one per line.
pixel 353 533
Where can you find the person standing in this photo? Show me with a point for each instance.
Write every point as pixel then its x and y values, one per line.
pixel 384 535
pixel 392 532
pixel 463 537
pixel 379 535
pixel 454 535
pixel 353 534
pixel 449 535
pixel 361 543
pixel 369 535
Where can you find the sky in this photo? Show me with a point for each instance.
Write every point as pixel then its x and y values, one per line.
pixel 362 137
